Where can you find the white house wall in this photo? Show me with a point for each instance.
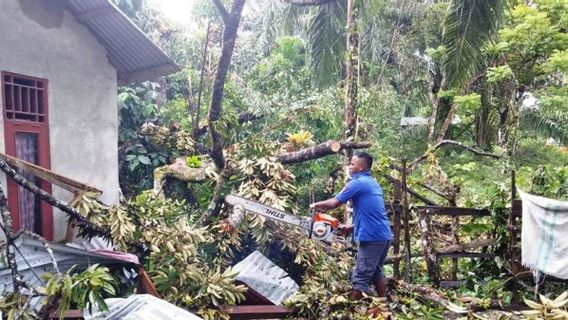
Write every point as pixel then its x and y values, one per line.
pixel 83 122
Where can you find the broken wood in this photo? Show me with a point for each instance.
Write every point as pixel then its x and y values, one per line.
pixel 320 150
pixel 88 228
pixel 145 284
pixel 435 297
pixel 181 171
pixel 468 246
pixel 48 175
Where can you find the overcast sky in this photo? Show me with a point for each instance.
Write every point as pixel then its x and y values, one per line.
pixel 177 10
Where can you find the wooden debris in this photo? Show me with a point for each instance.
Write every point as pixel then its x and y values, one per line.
pixel 468 246
pixel 49 176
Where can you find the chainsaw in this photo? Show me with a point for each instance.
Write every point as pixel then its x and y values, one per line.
pixel 319 226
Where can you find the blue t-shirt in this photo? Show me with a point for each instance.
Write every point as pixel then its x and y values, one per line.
pixel 370 217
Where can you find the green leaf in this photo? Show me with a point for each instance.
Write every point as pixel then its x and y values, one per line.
pixel 144 160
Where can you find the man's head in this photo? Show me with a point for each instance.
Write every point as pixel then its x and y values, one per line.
pixel 361 161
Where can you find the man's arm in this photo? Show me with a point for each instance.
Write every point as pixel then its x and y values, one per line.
pixel 328 204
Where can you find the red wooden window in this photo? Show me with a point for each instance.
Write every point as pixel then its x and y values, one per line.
pixel 26 133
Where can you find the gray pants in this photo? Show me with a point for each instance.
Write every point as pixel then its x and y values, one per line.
pixel 369 264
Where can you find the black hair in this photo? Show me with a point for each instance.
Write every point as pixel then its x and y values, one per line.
pixel 367 157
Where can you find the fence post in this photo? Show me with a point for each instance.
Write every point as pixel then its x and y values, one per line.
pixel 427 247
pixel 396 226
pixel 515 299
pixel 405 214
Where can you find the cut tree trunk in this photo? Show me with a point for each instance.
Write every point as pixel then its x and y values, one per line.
pixel 181 171
pixel 320 150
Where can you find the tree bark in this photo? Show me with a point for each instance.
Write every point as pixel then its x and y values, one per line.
pixel 320 150
pixel 232 21
pixel 88 228
pixel 350 100
pixel 195 125
pixel 181 171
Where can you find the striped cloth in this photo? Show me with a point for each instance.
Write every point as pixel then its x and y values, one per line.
pixel 545 235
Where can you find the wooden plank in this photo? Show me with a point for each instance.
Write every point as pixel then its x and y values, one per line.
pixel 49 176
pixel 468 246
pixel 68 315
pixel 454 211
pixel 465 255
pixel 145 284
pixel 258 312
pixel 517 208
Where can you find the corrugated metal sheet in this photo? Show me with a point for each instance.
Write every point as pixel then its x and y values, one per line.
pixel 130 51
pixel 266 278
pixel 414 121
pixel 33 261
pixel 140 307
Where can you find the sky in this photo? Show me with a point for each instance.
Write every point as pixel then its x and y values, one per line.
pixel 176 10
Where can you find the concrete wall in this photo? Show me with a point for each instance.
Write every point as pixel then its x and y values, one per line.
pixel 47 42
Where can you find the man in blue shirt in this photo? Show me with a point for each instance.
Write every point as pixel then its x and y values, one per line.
pixel 371 228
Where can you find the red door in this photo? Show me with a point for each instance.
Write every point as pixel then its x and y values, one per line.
pixel 26 132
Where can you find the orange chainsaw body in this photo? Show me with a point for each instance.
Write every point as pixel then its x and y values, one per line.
pixel 327 218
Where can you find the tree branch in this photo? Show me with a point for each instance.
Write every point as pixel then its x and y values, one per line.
pixel 416 161
pixel 83 223
pixel 320 150
pixel 222 10
pixel 229 38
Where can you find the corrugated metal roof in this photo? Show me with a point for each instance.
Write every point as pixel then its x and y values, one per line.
pixel 140 307
pixel 266 278
pixel 33 261
pixel 414 121
pixel 130 51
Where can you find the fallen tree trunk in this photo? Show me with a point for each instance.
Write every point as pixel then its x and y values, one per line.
pixel 320 150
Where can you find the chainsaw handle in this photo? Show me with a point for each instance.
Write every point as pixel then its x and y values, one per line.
pixel 311 227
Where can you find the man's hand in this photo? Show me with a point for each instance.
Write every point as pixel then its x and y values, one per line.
pixel 325 205
pixel 344 229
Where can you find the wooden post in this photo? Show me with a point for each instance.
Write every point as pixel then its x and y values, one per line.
pixel 452 194
pixel 515 299
pixel 428 247
pixel 405 214
pixel 396 225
